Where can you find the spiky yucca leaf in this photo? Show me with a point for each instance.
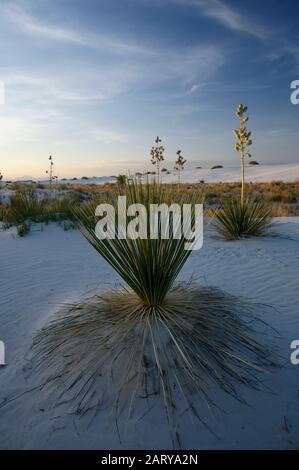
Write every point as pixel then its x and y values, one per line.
pixel 237 219
pixel 148 266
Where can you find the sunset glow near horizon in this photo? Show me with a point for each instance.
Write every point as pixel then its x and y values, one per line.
pixel 93 83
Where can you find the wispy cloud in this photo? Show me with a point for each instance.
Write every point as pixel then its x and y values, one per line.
pixel 141 67
pixel 75 98
pixel 101 82
pixel 225 15
pixel 230 18
pixel 196 87
pixel 27 23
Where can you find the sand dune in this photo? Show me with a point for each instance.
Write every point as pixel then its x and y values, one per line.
pixel 260 173
pixel 229 173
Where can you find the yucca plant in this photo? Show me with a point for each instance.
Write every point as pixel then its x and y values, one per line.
pixel 155 335
pixel 148 266
pixel 237 220
pixel 242 218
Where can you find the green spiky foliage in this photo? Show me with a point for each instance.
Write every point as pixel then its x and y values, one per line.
pixel 242 219
pixel 148 266
pixel 155 336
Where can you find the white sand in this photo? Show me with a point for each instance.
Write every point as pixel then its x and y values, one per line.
pixel 42 270
pixel 287 172
pixel 232 173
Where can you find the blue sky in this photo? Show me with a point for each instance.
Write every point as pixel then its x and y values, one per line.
pixel 93 82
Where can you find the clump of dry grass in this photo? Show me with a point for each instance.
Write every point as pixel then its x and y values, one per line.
pixel 113 351
pixel 27 206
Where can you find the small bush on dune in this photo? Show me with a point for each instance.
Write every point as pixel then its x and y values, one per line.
pixel 59 209
pixel 237 220
pixel 121 180
pixel 3 209
pixel 26 205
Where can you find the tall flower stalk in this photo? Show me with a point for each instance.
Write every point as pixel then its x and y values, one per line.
pixel 243 142
pixel 157 155
pixel 179 165
pixel 50 171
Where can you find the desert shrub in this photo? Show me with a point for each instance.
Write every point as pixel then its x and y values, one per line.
pixel 210 197
pixel 155 336
pixel 29 206
pixel 25 205
pixel 238 219
pixel 19 186
pixel 59 209
pixel 121 180
pixel 284 210
pixel 3 209
pixel 274 197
